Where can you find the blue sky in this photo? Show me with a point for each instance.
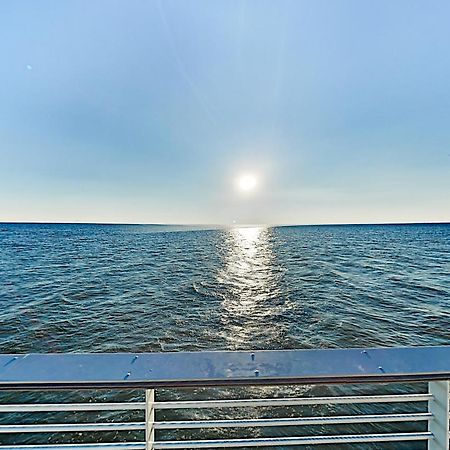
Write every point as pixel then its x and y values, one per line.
pixel 147 111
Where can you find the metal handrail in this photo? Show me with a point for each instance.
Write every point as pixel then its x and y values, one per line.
pixel 193 369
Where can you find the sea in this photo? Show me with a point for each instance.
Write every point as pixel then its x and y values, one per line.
pixel 156 288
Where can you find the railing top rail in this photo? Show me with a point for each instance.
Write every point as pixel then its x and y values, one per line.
pixel 264 367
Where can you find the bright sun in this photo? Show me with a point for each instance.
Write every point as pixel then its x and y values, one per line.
pixel 247 182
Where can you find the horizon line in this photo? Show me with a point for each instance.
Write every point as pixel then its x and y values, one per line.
pixel 225 225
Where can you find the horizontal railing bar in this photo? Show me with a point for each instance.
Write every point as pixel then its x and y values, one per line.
pixel 237 423
pixel 222 382
pixel 107 446
pixel 232 423
pixel 329 420
pixel 72 427
pixel 222 443
pixel 303 440
pixel 401 398
pixel 53 407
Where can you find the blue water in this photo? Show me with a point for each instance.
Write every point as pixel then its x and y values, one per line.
pixel 157 288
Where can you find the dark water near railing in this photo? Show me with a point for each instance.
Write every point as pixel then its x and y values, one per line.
pixel 66 288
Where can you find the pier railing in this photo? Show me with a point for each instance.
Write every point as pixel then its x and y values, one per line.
pixel 211 400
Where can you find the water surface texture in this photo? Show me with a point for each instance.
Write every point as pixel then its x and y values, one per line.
pixel 66 288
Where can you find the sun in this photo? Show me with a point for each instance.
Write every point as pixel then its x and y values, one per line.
pixel 247 182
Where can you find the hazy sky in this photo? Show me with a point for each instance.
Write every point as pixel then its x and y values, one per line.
pixel 147 111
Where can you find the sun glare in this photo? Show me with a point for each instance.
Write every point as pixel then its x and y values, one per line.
pixel 247 182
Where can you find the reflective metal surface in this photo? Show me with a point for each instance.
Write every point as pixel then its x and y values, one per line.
pixel 221 368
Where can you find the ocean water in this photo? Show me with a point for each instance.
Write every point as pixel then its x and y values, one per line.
pixel 66 288
pixel 72 288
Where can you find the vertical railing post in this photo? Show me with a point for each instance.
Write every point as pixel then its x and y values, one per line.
pixel 149 418
pixel 439 407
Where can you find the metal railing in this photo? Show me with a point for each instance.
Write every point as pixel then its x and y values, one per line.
pixel 226 399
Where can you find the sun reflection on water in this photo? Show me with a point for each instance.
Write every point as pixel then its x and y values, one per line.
pixel 252 299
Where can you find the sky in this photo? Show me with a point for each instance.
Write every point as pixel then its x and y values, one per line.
pixel 145 111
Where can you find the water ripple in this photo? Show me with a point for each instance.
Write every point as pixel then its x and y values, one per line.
pixel 141 288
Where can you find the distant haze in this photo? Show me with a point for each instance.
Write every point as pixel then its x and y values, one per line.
pixel 148 112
